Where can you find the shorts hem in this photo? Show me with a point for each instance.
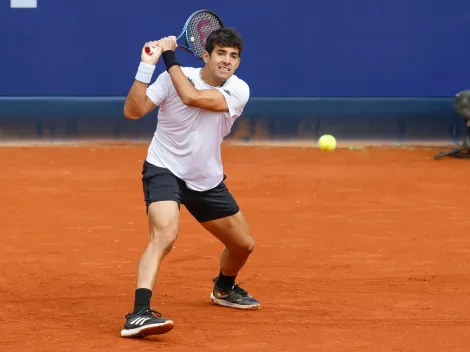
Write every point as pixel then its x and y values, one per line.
pixel 212 217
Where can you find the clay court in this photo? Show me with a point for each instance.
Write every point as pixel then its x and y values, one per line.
pixel 357 250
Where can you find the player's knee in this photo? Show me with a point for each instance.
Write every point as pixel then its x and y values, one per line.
pixel 246 246
pixel 250 247
pixel 164 236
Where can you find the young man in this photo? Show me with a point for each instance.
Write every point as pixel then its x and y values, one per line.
pixel 183 166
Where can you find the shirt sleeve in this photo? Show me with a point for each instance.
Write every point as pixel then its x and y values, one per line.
pixel 158 90
pixel 236 95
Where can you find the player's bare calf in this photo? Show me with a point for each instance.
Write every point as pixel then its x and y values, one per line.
pixel 233 231
pixel 163 220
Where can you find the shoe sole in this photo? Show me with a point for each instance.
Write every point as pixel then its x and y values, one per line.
pixel 224 303
pixel 153 329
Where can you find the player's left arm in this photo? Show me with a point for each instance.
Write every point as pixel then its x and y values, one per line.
pixel 207 99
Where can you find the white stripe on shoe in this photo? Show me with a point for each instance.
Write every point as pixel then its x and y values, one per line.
pixel 140 321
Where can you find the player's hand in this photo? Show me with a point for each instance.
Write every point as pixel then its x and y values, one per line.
pixel 168 43
pixel 151 59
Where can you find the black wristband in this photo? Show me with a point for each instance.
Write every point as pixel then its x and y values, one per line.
pixel 169 57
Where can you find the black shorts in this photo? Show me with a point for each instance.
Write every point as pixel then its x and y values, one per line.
pixel 160 184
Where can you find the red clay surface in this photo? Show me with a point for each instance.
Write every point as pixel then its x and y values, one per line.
pixel 364 250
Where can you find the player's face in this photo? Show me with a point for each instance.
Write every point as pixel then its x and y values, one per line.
pixel 222 62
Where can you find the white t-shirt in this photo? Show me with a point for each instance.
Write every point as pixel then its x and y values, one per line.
pixel 187 140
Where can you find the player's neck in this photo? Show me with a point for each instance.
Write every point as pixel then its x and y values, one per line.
pixel 208 78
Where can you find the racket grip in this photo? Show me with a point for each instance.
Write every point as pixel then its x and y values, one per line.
pixel 149 50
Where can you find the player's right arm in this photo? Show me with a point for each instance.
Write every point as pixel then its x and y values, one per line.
pixel 137 102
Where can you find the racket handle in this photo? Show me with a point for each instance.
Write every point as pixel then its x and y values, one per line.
pixel 149 50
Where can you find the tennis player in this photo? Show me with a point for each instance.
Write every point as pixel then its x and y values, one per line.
pixel 197 108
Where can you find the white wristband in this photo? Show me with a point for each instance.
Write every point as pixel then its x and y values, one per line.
pixel 145 72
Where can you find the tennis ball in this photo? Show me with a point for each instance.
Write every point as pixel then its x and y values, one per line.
pixel 327 142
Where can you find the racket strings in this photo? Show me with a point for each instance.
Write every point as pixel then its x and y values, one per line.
pixel 199 28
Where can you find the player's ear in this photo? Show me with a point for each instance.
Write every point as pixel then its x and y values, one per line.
pixel 205 56
pixel 239 60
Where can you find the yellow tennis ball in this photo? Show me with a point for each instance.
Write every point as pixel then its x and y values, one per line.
pixel 327 142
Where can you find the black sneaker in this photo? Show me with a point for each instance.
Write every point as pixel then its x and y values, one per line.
pixel 146 322
pixel 235 298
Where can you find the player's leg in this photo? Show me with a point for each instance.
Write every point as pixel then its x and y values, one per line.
pixel 234 233
pixel 163 220
pixel 162 196
pixel 218 213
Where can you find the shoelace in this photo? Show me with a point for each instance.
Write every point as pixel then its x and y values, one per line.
pixel 152 313
pixel 239 290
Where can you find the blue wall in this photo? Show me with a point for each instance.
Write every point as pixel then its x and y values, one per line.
pixel 416 48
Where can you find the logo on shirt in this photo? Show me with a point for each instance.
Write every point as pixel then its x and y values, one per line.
pixel 228 92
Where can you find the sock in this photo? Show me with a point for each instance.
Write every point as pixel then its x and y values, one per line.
pixel 142 299
pixel 225 283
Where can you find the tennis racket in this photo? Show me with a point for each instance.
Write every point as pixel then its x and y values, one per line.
pixel 195 32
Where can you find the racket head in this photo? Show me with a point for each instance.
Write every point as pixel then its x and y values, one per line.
pixel 196 30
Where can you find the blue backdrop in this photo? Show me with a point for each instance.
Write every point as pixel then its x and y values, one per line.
pixel 401 48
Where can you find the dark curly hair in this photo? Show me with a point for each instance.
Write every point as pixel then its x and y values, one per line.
pixel 224 37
